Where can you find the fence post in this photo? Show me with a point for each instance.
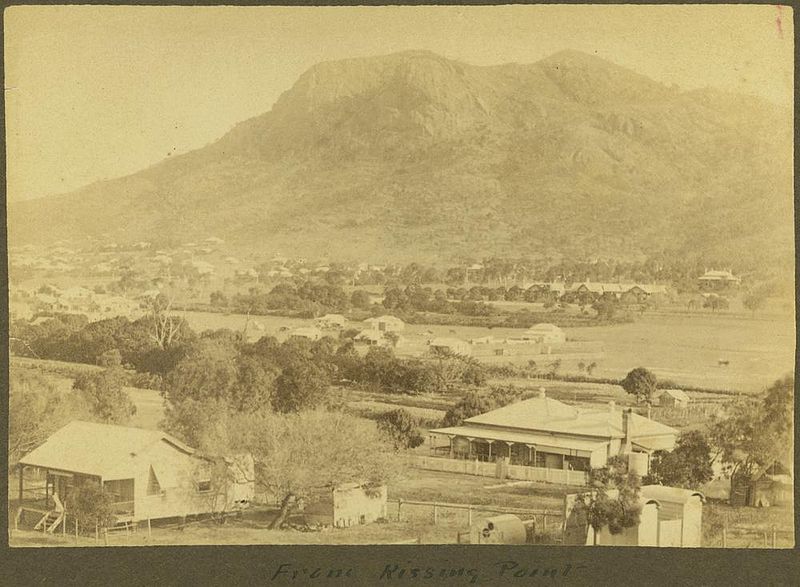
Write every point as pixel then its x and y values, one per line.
pixel 469 516
pixel 76 530
pixel 725 535
pixel 105 535
pixel 774 536
pixel 766 543
pixel 96 532
pixel 399 505
pixel 149 530
pixel 435 513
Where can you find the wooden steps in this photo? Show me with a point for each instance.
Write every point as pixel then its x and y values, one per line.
pixel 50 521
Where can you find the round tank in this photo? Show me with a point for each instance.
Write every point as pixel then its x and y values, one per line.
pixel 504 529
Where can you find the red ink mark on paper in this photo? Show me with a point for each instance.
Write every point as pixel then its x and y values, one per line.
pixel 778 22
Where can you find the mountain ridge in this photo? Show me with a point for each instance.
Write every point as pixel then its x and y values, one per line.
pixel 412 154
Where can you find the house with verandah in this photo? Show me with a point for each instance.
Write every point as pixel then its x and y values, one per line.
pixel 149 475
pixel 544 439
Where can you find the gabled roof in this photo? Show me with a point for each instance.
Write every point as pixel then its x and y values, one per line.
pixel 105 450
pixel 527 414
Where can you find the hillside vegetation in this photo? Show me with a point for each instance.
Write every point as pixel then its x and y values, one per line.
pixel 414 156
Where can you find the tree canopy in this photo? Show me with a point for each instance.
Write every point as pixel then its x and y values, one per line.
pixel 757 433
pixel 641 383
pixel 688 465
pixel 613 502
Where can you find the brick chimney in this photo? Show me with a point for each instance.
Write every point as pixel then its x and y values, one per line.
pixel 627 429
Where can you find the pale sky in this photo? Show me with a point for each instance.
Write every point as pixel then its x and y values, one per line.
pixel 96 92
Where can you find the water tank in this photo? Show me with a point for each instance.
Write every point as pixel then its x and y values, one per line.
pixel 505 529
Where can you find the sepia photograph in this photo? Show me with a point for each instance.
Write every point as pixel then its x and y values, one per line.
pixel 400 275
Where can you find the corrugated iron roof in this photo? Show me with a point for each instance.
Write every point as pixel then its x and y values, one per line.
pixel 544 414
pixel 105 450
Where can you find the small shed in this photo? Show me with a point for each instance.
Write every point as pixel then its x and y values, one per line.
pixel 672 398
pixel 773 486
pixel 347 505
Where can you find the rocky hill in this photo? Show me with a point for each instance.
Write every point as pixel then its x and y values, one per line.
pixel 414 156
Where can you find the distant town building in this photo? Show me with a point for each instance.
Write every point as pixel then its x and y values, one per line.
pixel 385 323
pixel 370 337
pixel 331 321
pixel 307 332
pixel 715 279
pixel 671 398
pixel 545 334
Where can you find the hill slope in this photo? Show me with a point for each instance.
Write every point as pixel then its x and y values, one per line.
pixel 412 155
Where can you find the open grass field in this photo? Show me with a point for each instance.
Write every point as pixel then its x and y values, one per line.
pixel 683 348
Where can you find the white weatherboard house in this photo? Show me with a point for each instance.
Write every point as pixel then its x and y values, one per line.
pixel 385 323
pixel 544 439
pixel 149 473
pixel 545 334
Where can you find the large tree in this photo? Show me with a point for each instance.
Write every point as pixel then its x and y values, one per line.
pixel 688 465
pixel 613 502
pixel 641 383
pixel 757 433
pixel 401 428
pixel 105 395
pixel 36 409
pixel 299 454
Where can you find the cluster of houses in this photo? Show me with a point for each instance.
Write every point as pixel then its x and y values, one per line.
pixel 46 301
pixel 590 291
pixel 540 339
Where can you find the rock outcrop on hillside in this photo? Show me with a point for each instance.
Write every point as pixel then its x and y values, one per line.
pixel 414 156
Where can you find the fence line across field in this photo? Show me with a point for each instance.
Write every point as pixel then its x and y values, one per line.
pixel 471 509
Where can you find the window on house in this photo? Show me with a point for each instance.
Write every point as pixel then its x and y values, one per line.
pixel 153 486
pixel 204 486
pixel 499 352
